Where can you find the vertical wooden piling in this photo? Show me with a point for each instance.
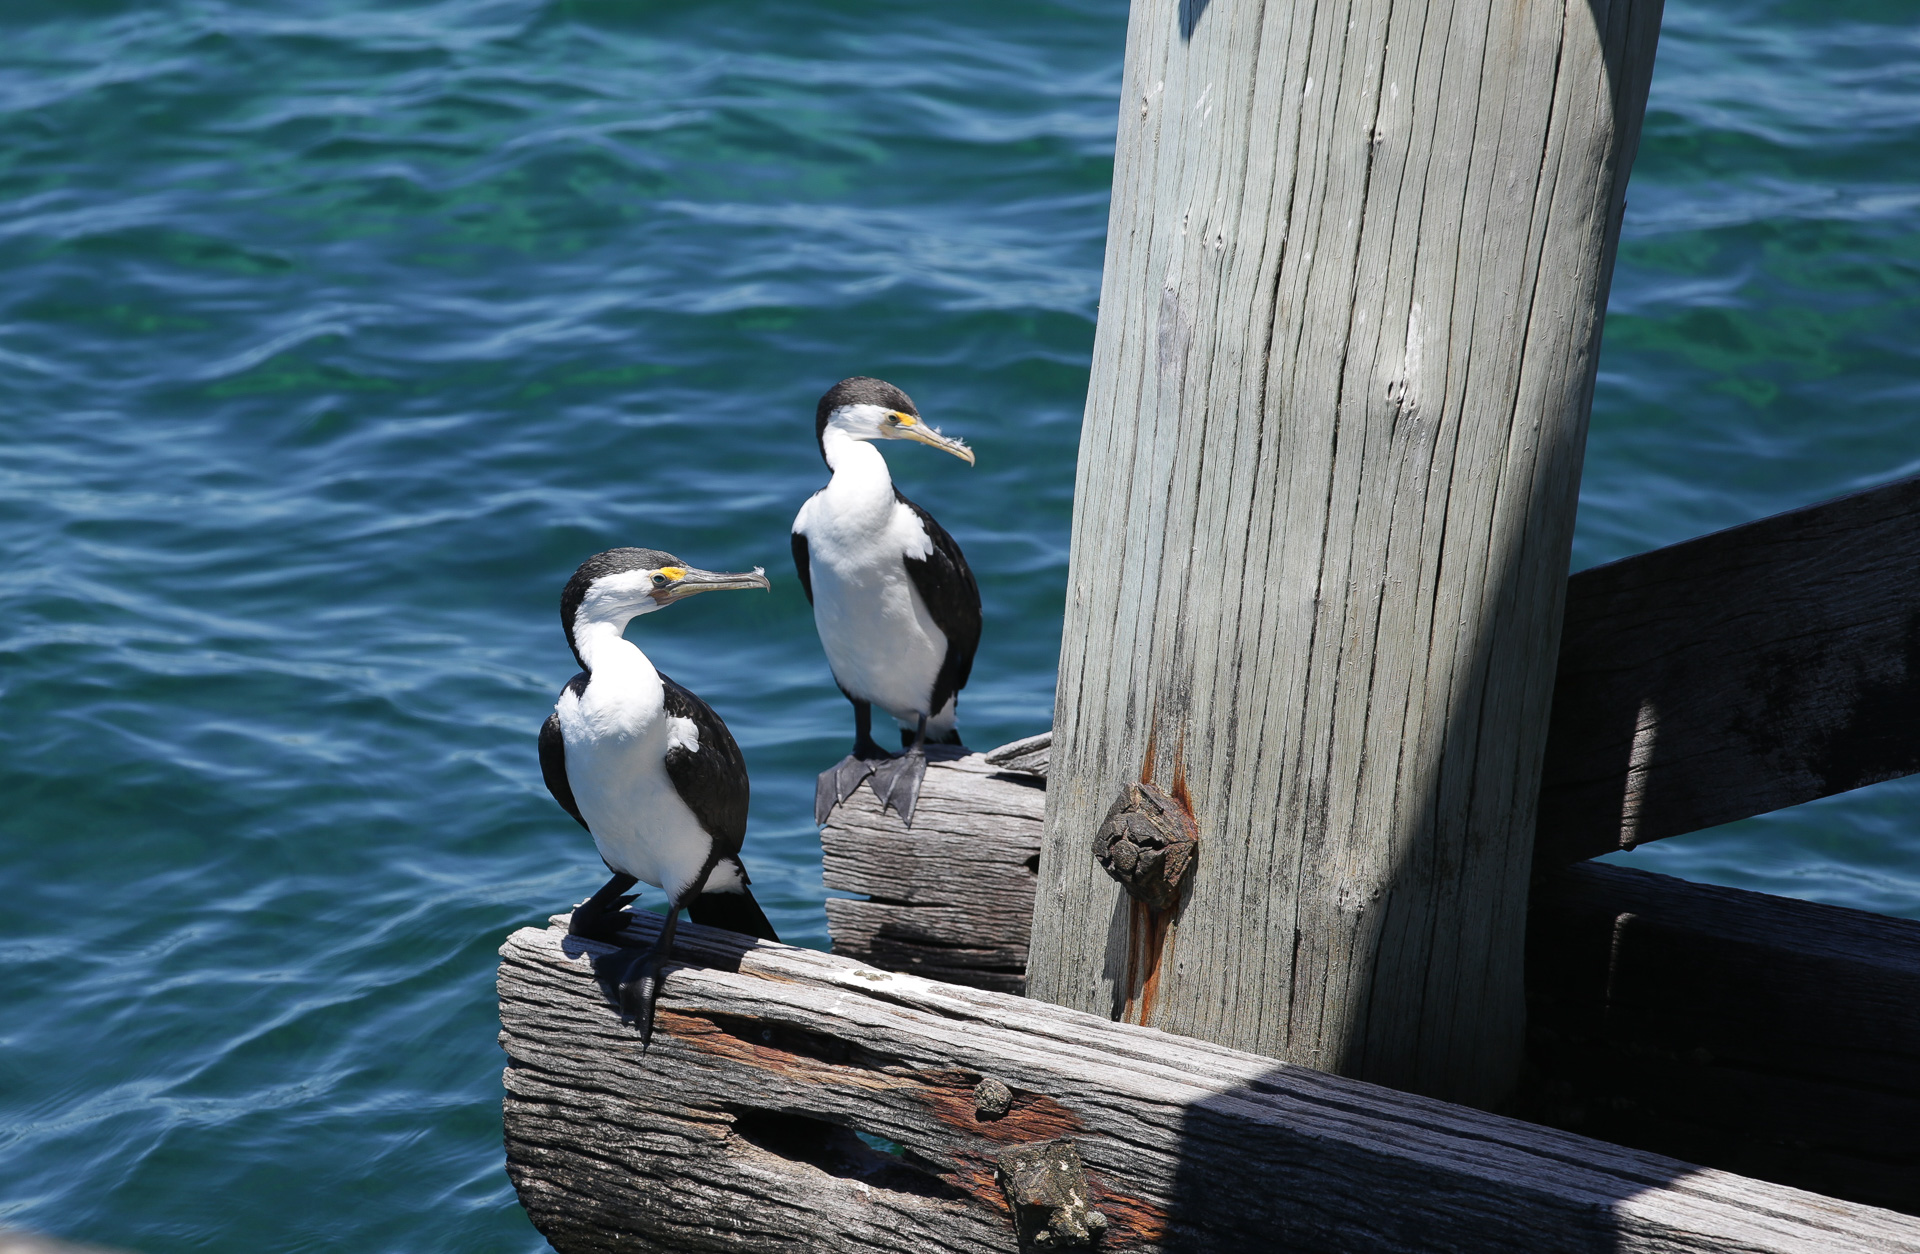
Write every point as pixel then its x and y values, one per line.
pixel 1358 257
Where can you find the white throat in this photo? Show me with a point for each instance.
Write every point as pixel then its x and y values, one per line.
pixel 603 647
pixel 860 483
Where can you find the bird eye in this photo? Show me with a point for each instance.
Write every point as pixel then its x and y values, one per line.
pixel 659 581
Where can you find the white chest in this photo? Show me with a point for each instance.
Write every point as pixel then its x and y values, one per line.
pixel 878 635
pixel 617 734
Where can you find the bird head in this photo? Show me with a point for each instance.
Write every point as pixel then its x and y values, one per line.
pixel 873 409
pixel 619 585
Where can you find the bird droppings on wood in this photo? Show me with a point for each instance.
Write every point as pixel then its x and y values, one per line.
pixel 991 1099
pixel 1046 1186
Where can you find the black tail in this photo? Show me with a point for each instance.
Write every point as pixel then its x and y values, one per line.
pixel 736 912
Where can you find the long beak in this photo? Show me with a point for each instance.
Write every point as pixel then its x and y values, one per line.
pixel 694 580
pixel 907 427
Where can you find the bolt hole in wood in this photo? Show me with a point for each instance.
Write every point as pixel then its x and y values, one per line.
pixel 842 1152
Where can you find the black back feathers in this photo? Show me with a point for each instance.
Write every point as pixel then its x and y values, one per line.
pixel 858 390
pixel 803 565
pixel 945 582
pixel 713 779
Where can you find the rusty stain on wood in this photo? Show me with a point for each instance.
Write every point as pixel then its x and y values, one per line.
pixel 1031 1117
pixel 1149 843
pixel 1130 1220
pixel 1148 931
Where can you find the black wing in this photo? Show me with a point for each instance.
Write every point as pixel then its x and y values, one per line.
pixel 713 781
pixel 553 756
pixel 946 584
pixel 803 563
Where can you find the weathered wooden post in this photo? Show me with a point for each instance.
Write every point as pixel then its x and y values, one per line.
pixel 1358 258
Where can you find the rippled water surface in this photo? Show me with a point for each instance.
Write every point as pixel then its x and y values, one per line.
pixel 334 335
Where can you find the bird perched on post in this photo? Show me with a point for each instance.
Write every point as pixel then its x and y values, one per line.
pixel 896 607
pixel 647 767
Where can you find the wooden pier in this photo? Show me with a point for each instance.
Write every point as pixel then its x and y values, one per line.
pixel 1296 884
pixel 800 1101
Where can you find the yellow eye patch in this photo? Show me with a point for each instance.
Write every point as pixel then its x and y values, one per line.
pixel 905 420
pixel 673 572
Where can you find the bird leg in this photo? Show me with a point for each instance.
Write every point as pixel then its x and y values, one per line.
pixel 838 781
pixel 598 917
pixel 897 781
pixel 639 981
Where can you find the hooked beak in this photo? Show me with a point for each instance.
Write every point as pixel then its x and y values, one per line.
pixel 907 427
pixel 693 580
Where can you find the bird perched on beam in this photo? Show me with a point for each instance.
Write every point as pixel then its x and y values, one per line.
pixel 647 767
pixel 897 609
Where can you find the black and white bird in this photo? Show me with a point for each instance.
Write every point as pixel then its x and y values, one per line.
pixel 897 609
pixel 647 767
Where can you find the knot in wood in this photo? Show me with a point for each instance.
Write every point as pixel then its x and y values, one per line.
pixel 1148 843
pixel 1046 1187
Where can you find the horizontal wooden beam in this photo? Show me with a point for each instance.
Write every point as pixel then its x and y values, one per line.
pixel 794 1100
pixel 952 898
pixel 1776 1038
pixel 1739 673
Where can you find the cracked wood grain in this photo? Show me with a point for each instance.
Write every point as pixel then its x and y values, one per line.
pixel 1776 1038
pixel 741 1130
pixel 950 898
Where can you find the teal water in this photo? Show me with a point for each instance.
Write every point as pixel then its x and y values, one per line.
pixel 335 334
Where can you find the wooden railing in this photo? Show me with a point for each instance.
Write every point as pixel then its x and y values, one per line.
pixel 1736 674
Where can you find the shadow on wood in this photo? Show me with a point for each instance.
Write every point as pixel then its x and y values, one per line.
pixel 803 1101
pixel 1777 1038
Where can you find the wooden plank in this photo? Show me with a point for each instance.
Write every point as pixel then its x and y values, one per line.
pixel 1349 320
pixel 1030 755
pixel 1774 1037
pixel 952 897
pixel 1747 670
pixel 739 1130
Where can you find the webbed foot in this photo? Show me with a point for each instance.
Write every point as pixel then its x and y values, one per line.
pixel 637 987
pixel 837 783
pixel 897 782
pixel 638 994
pixel 600 921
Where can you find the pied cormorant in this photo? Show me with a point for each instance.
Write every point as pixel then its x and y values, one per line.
pixel 897 609
pixel 647 767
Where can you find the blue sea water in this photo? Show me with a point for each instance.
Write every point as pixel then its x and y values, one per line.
pixel 334 333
